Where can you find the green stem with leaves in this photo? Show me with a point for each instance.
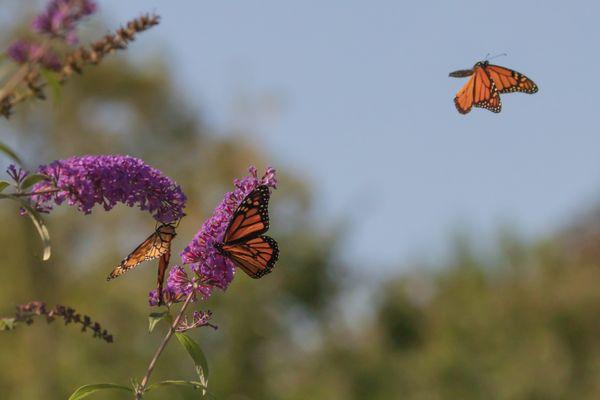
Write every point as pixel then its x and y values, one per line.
pixel 142 387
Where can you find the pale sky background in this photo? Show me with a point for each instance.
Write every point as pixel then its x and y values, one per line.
pixel 367 111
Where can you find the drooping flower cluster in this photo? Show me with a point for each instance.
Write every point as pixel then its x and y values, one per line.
pixel 209 268
pixel 61 17
pixel 23 51
pixel 107 180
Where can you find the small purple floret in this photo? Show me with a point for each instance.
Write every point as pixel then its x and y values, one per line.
pixel 23 52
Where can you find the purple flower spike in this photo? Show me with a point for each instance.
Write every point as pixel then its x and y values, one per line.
pixel 212 269
pixel 89 180
pixel 23 52
pixel 61 17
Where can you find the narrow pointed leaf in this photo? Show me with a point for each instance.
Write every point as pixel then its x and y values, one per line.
pixel 155 317
pixel 4 185
pixel 53 80
pixel 7 150
pixel 193 384
pixel 32 180
pixel 7 324
pixel 196 353
pixel 38 222
pixel 86 390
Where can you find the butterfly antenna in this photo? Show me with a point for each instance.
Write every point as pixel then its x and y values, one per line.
pixel 497 55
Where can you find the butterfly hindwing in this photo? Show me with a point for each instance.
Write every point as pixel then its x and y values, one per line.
pixel 251 217
pixel 479 91
pixel 155 246
pixel 256 257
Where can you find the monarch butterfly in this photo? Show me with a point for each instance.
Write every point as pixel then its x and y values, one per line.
pixel 157 245
pixel 243 241
pixel 485 85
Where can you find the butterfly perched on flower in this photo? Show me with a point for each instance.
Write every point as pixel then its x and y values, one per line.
pixel 243 241
pixel 157 245
pixel 485 85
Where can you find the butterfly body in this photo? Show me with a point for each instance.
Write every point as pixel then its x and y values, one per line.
pixel 244 242
pixel 485 84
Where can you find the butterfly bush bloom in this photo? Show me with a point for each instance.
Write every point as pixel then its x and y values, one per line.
pixel 209 268
pixel 61 17
pixel 200 253
pixel 23 52
pixel 89 180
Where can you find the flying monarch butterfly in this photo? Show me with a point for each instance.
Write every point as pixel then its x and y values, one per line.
pixel 157 245
pixel 243 241
pixel 485 85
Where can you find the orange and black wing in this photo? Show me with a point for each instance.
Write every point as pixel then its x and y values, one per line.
pixel 509 81
pixel 256 257
pixel 155 246
pixel 251 217
pixel 479 91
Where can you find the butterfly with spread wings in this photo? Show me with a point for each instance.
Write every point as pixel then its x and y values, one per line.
pixel 157 245
pixel 244 243
pixel 485 85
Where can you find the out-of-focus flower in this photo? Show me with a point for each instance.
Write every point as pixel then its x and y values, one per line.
pixel 61 17
pixel 89 180
pixel 212 268
pixel 23 52
pixel 26 312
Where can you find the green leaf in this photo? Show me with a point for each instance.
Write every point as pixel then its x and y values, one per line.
pixel 155 317
pixel 197 355
pixel 32 180
pixel 38 222
pixel 194 384
pixel 7 150
pixel 7 324
pixel 86 390
pixel 4 185
pixel 53 80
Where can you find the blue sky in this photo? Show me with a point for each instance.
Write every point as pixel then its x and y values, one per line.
pixel 365 107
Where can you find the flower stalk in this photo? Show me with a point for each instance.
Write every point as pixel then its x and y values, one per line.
pixel 172 329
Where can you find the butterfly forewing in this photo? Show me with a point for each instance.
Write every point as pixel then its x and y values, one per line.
pixel 509 81
pixel 155 246
pixel 251 217
pixel 256 257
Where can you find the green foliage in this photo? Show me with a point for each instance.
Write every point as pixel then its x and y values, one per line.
pixel 86 390
pixel 197 355
pixel 32 180
pixel 155 317
pixel 3 185
pixel 10 153
pixel 40 227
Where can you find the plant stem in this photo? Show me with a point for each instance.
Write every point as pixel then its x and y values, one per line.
pixel 14 81
pixel 140 390
pixel 14 195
